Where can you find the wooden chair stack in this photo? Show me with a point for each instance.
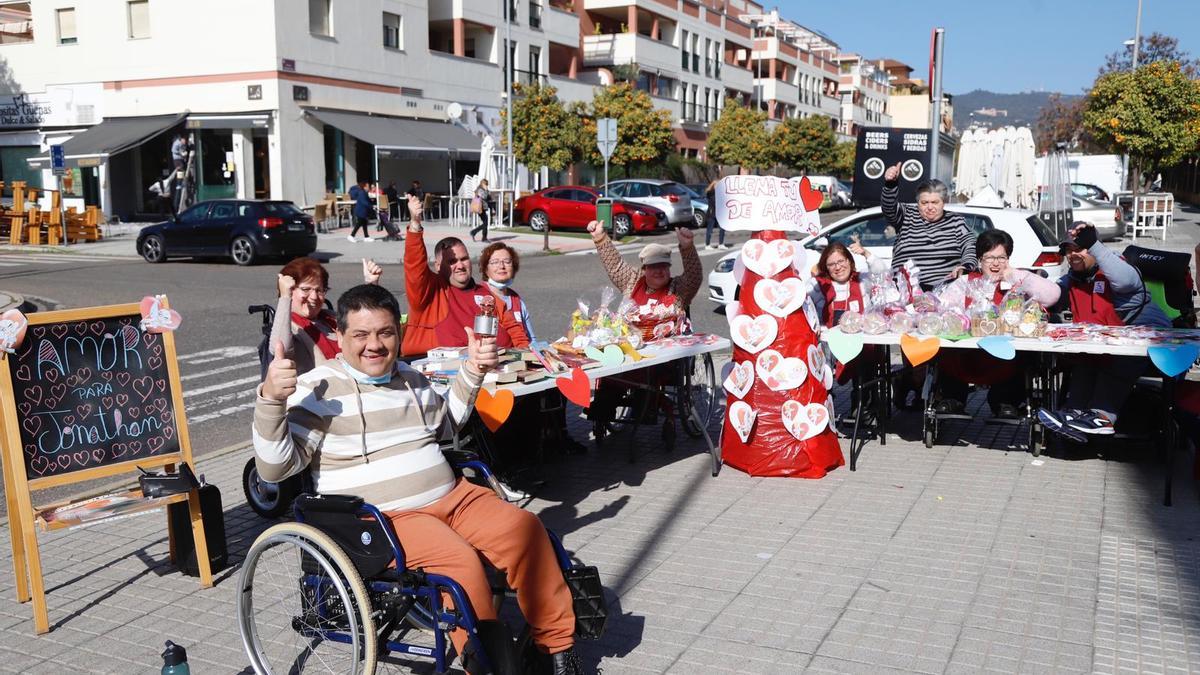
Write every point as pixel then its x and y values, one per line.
pixel 15 217
pixel 85 226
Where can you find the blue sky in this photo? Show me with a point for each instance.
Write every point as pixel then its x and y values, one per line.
pixel 1007 47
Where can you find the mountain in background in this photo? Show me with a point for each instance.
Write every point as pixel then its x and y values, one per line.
pixel 997 110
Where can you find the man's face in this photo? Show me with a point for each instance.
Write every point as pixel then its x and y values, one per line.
pixel 1080 260
pixel 931 206
pixel 371 342
pixel 658 275
pixel 455 266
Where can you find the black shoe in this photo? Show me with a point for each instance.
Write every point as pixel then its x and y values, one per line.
pixel 567 663
pixel 1056 422
pixel 1006 411
pixel 948 406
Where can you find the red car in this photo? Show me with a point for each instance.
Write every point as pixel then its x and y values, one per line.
pixel 574 206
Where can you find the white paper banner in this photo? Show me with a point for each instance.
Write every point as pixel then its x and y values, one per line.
pixel 768 203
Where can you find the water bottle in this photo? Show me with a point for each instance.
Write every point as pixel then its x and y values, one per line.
pixel 175 660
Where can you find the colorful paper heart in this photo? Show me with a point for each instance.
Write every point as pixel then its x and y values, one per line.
pixel 778 372
pixel 494 409
pixel 999 346
pixel 804 421
pixel 845 346
pixel 12 330
pixel 741 418
pixel 739 379
pixel 1174 359
pixel 611 355
pixel 767 259
pixel 753 334
pixel 919 350
pixel 155 317
pixel 815 357
pixel 779 298
pixel 577 387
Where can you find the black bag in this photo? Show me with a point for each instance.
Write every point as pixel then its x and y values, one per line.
pixel 587 595
pixel 214 532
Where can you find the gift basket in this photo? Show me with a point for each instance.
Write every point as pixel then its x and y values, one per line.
pixel 601 327
pixel 654 320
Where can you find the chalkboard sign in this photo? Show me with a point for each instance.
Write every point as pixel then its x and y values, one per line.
pixel 90 393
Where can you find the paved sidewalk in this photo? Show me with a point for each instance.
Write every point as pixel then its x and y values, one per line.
pixel 964 558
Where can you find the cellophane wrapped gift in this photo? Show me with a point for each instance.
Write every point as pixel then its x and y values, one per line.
pixel 1033 320
pixel 1011 307
pixel 851 322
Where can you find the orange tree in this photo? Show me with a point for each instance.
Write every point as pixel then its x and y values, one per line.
pixel 739 137
pixel 644 133
pixel 807 144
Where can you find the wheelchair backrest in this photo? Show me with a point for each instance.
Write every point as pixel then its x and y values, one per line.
pixel 360 537
pixel 1167 275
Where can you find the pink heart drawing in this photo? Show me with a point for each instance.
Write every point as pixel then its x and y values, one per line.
pixel 107 402
pixel 59 330
pixel 23 373
pixel 119 449
pixel 779 298
pixel 81 458
pixel 31 450
pixel 58 390
pixel 106 375
pixel 122 399
pixel 156 349
pixel 81 328
pixel 165 417
pixel 32 425
pixel 765 259
pixel 40 465
pixel 778 372
pixel 148 338
pixel 25 407
pixel 740 377
pixel 753 334
pixel 83 375
pixel 155 443
pixel 72 380
pixel 804 421
pixel 161 384
pixel 741 418
pixel 98 455
pixel 52 375
pixel 97 327
pixel 135 447
pixel 169 431
pixel 34 394
pixel 155 362
pixel 144 386
pixel 134 411
pixel 64 461
pixel 83 410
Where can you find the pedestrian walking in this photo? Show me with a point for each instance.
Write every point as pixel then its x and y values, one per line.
pixel 362 211
pixel 710 219
pixel 481 206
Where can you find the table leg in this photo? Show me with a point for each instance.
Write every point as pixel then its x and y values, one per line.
pixel 1172 439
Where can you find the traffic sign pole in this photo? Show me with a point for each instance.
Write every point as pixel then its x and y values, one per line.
pixel 606 142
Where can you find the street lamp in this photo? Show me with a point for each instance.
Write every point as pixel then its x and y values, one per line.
pixel 1137 38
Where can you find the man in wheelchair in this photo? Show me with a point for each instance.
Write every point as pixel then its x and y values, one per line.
pixel 367 425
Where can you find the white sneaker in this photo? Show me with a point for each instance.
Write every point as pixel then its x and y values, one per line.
pixel 350 239
pixel 368 239
pixel 710 247
pixel 723 247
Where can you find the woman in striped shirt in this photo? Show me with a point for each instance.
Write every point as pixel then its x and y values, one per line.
pixel 938 242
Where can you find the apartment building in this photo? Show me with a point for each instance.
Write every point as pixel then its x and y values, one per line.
pixel 864 89
pixel 909 101
pixel 795 73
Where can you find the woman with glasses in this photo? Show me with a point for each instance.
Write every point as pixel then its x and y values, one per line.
pixel 840 287
pixel 303 324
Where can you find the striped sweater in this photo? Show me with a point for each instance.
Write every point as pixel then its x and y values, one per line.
pixel 936 248
pixel 379 442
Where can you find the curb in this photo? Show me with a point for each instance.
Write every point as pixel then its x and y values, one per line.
pixel 126 483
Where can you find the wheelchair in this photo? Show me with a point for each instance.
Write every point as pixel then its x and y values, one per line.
pixel 322 594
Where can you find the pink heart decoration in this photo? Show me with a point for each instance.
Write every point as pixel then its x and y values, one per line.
pixel 156 318
pixel 13 325
pixel 778 372
pixel 804 421
pixel 741 376
pixel 753 334
pixel 144 386
pixel 157 442
pixel 40 465
pixel 741 418
pixel 779 298
pixel 767 259
pixel 816 360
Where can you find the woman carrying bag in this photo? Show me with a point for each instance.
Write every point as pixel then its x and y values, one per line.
pixel 480 204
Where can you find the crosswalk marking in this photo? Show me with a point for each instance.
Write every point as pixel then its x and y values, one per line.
pixel 56 259
pixel 192 393
pixel 197 419
pixel 222 369
pixel 221 384
pixel 215 354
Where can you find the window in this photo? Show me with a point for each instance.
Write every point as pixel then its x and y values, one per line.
pixel 618 189
pixel 871 231
pixel 535 15
pixel 976 223
pixel 583 196
pixel 319 20
pixel 535 61
pixel 683 101
pixel 66 26
pixel 695 98
pixel 392 30
pixel 139 19
pixel 695 53
pixel 683 50
pixel 469 48
pixel 16 23
pixel 194 214
pixel 222 211
pixel 638 190
pixel 707 57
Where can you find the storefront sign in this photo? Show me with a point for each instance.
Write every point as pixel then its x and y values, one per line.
pixel 57 106
pixel 21 110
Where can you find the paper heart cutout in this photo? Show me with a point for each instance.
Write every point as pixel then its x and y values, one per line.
pixel 611 355
pixel 741 418
pixel 155 317
pixel 779 298
pixel 494 409
pixel 845 346
pixel 812 198
pixel 753 334
pixel 13 325
pixel 810 313
pixel 577 387
pixel 1174 359
pixel 804 421
pixel 815 357
pixel 739 379
pixel 767 259
pixel 827 377
pixel 919 350
pixel 999 346
pixel 778 372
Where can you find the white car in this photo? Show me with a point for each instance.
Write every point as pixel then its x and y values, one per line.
pixel 1035 247
pixel 667 196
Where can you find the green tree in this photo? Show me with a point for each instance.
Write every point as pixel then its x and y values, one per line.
pixel 1152 114
pixel 544 133
pixel 644 133
pixel 843 162
pixel 739 137
pixel 807 145
pixel 1153 48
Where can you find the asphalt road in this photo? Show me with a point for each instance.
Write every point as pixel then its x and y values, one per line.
pixel 217 341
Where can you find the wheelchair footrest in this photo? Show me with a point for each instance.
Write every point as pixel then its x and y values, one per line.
pixel 587 594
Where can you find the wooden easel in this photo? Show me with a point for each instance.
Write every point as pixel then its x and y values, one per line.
pixel 23 515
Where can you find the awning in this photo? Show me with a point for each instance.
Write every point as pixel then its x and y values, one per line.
pixel 400 137
pixel 112 136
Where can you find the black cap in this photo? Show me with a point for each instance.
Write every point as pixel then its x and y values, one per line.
pixel 1068 246
pixel 174 654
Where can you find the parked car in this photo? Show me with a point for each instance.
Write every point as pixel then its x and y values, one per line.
pixel 574 206
pixel 243 229
pixel 699 202
pixel 842 198
pixel 1035 247
pixel 1108 218
pixel 1092 192
pixel 667 196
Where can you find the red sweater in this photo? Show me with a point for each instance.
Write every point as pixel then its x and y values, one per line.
pixel 429 304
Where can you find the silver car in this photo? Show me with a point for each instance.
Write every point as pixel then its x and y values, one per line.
pixel 667 196
pixel 1108 219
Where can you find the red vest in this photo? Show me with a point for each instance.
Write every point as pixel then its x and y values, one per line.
pixel 834 309
pixel 463 305
pixel 997 298
pixel 641 294
pixel 1092 302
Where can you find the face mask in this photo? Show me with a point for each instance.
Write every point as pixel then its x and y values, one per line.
pixel 363 378
pixel 501 285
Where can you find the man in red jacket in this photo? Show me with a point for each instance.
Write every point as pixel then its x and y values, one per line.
pixel 442 304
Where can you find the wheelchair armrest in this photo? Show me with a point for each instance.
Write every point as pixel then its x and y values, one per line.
pixel 329 503
pixel 482 469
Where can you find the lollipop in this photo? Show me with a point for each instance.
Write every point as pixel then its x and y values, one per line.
pixel 851 322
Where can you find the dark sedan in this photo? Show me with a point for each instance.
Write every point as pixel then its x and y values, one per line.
pixel 574 206
pixel 245 230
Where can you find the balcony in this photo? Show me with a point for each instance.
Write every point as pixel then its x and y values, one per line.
pixel 572 90
pixel 622 48
pixel 736 77
pixel 777 90
pixel 560 25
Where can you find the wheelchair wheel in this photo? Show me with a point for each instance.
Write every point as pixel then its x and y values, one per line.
pixel 302 605
pixel 269 500
pixel 699 394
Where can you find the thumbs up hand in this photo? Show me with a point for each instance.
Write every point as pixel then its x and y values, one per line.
pixel 371 271
pixel 281 376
